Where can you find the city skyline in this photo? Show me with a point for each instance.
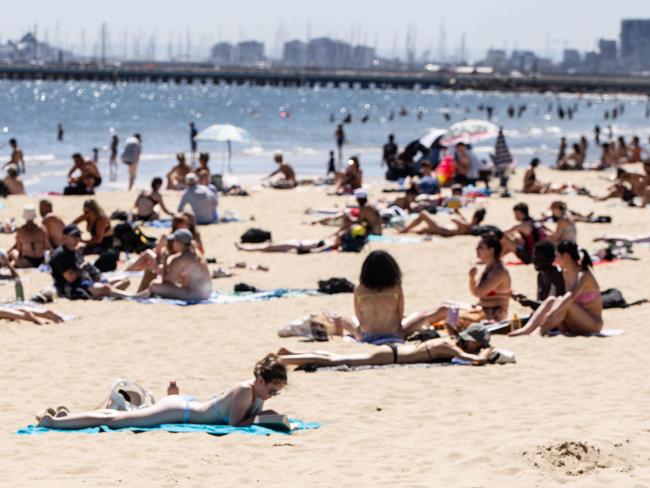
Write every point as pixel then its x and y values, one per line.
pixel 169 26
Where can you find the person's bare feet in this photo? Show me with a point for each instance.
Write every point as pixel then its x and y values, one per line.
pixel 53 316
pixel 31 317
pixel 45 421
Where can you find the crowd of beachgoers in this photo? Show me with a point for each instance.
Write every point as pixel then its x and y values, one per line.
pixel 431 180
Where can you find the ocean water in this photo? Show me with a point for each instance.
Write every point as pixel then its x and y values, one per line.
pixel 90 112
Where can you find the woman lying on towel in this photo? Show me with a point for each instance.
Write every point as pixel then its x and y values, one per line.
pixel 238 407
pixel 473 344
pixel 463 227
pixel 379 304
pixel 580 310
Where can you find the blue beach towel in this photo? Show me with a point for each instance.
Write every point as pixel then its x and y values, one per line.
pixel 218 430
pixel 222 298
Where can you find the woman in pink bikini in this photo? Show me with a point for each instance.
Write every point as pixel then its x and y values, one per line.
pixel 580 310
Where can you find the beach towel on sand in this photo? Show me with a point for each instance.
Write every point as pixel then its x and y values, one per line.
pixel 217 430
pixel 221 298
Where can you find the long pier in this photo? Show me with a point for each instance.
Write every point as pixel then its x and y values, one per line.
pixel 296 77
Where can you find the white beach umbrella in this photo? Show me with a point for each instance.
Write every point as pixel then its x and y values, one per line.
pixel 431 136
pixel 224 133
pixel 470 132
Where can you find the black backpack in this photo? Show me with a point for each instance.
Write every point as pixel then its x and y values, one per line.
pixel 129 238
pixel 335 285
pixel 613 298
pixel 255 236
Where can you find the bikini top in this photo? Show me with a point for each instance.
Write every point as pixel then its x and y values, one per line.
pixel 587 297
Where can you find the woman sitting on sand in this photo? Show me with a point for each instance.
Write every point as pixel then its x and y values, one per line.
pixel 580 310
pixel 463 227
pixel 99 227
pixel 573 161
pixel 238 407
pixel 184 275
pixel 531 183
pixel 176 176
pixel 146 202
pixel 379 304
pixel 472 344
pixel 493 289
pixel 565 226
pixel 151 258
pixel 351 179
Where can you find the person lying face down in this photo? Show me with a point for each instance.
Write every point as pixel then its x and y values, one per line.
pixel 472 344
pixel 237 407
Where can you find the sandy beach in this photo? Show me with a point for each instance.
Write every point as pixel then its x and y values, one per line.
pixel 569 413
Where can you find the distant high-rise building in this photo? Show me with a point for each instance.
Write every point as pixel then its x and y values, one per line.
pixel 608 49
pixel 294 53
pixel 635 42
pixel 223 53
pixel 571 58
pixel 249 52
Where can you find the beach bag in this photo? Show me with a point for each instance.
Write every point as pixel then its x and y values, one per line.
pixel 613 298
pixel 335 285
pixel 255 236
pixel 107 260
pixel 129 238
pixel 128 395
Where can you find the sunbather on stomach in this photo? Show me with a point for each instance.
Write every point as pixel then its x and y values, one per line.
pixel 238 407
pixel 473 344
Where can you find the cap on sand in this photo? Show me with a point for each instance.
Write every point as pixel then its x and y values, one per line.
pixel 191 179
pixel 71 230
pixel 29 212
pixel 360 194
pixel 478 333
pixel 184 236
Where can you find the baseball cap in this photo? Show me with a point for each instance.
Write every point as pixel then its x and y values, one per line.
pixel 191 179
pixel 184 236
pixel 478 333
pixel 71 230
pixel 360 194
pixel 29 212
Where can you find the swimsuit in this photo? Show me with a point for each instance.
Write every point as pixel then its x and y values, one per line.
pixel 35 262
pixel 587 297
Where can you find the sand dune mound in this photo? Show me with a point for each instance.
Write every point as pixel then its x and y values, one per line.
pixel 570 458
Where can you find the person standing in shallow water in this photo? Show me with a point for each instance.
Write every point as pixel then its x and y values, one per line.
pixel 339 136
pixel 17 157
pixel 131 156
pixel 115 141
pixel 193 146
pixel 59 132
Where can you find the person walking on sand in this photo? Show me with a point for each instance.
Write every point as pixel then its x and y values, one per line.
pixel 131 156
pixel 112 161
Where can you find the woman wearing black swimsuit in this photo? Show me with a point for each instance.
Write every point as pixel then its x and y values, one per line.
pixel 99 227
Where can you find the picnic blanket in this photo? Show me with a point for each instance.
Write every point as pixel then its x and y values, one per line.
pixel 218 430
pixel 398 239
pixel 221 298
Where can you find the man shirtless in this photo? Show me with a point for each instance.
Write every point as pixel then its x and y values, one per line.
pixel 288 178
pixel 17 158
pixel 13 182
pixel 626 186
pixel 185 275
pixel 368 215
pixel 31 242
pixel 176 176
pixel 52 223
pixel 146 202
pixel 83 177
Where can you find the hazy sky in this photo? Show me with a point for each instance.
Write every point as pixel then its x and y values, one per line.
pixel 546 26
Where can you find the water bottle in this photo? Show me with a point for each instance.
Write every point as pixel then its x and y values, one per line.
pixel 20 293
